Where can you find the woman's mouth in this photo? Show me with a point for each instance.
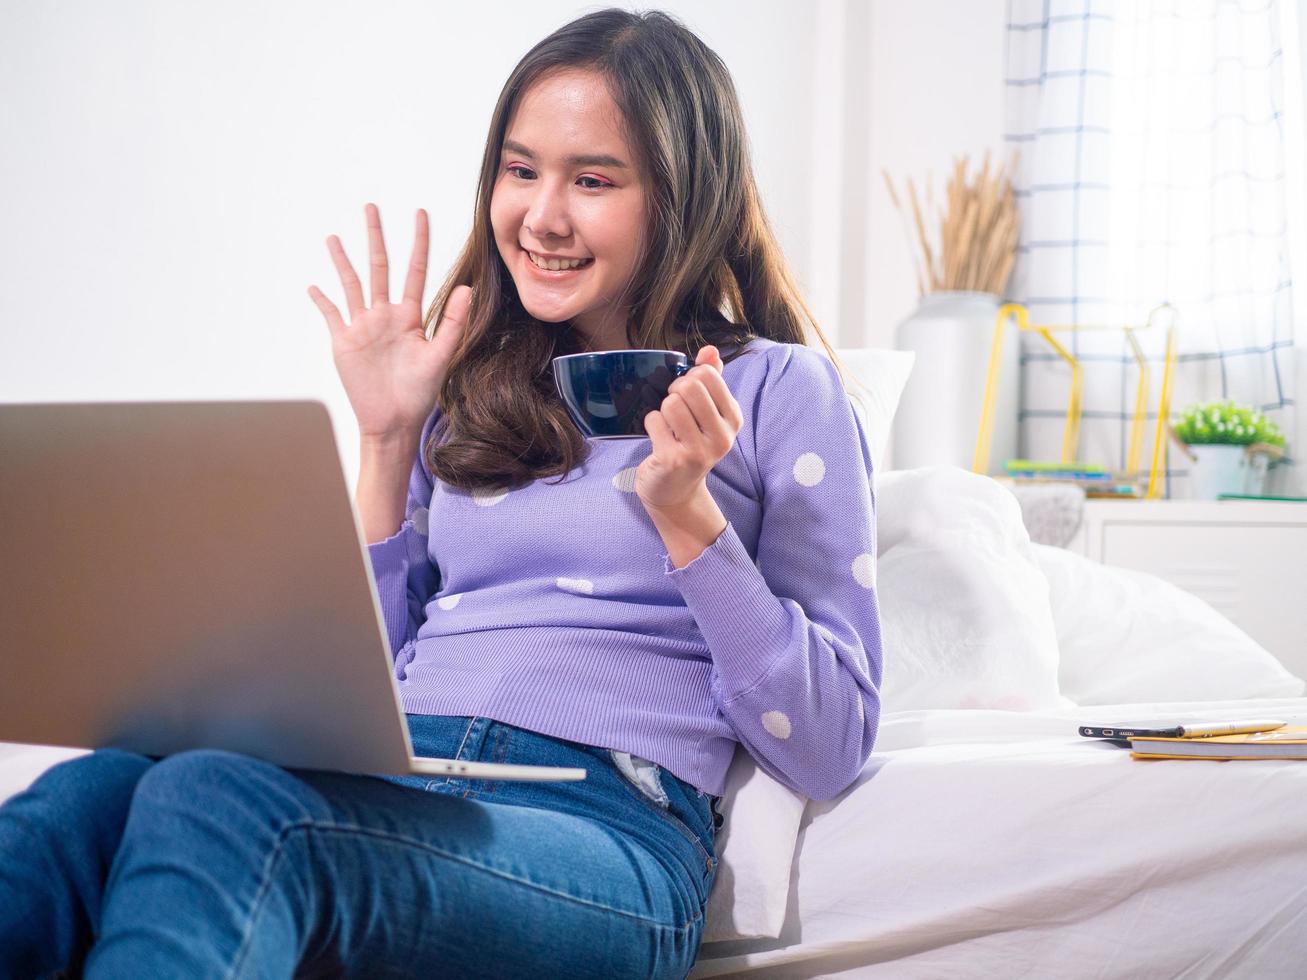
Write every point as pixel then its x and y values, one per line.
pixel 555 268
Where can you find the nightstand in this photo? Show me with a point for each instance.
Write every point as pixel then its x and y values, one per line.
pixel 1245 558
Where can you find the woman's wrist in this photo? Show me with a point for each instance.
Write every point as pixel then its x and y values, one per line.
pixel 384 467
pixel 690 529
pixel 385 446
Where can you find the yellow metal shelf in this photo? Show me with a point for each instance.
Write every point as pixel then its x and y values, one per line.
pixel 1071 432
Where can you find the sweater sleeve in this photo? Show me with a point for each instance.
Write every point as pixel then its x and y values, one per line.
pixel 405 576
pixel 795 636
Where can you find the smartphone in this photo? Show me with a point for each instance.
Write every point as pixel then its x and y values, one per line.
pixel 1120 734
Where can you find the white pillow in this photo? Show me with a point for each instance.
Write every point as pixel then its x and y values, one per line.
pixel 1127 636
pixel 874 382
pixel 964 607
pixel 756 844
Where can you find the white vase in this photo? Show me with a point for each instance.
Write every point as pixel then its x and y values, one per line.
pixel 938 417
pixel 1218 470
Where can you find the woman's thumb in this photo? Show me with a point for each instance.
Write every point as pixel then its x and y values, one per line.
pixel 708 354
pixel 457 305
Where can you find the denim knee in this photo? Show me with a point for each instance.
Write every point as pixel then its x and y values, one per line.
pixel 103 781
pixel 215 783
pixel 207 811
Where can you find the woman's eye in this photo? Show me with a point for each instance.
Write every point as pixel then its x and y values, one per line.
pixel 513 170
pixel 594 184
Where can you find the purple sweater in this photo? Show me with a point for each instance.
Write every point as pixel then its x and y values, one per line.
pixel 557 609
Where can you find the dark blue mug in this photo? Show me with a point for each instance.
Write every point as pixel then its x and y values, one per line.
pixel 608 393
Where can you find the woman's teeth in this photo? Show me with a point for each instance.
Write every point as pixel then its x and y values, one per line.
pixel 554 265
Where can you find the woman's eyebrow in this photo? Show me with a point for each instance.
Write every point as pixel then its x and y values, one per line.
pixel 580 160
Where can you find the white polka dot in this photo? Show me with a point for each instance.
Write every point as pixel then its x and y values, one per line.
pixel 420 519
pixel 777 722
pixel 448 601
pixel 624 480
pixel 809 469
pixel 576 585
pixel 864 570
pixel 488 497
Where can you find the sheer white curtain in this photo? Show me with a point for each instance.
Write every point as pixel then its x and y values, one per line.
pixel 1152 136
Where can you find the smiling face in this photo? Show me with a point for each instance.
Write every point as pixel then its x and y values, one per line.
pixel 568 188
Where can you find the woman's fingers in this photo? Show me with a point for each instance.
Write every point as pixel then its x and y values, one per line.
pixel 713 382
pixel 417 268
pixel 380 270
pixel 348 277
pixel 334 321
pixel 377 257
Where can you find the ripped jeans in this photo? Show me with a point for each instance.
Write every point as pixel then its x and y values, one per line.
pixel 215 864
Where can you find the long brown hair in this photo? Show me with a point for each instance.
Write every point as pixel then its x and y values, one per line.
pixel 711 270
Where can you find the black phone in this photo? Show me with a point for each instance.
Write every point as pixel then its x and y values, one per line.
pixel 1121 734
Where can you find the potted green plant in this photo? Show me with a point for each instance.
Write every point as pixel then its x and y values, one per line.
pixel 1220 437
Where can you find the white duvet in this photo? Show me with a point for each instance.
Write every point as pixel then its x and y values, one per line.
pixel 1004 844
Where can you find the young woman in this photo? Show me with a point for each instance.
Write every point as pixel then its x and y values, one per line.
pixel 660 604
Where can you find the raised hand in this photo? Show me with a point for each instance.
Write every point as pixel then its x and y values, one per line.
pixel 391 372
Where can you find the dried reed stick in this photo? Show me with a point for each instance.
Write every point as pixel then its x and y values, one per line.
pixel 916 259
pixel 925 243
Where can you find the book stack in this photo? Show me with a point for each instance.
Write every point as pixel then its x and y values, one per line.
pixel 1097 481
pixel 1287 742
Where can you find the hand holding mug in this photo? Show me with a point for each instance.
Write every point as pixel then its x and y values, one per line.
pixel 692 431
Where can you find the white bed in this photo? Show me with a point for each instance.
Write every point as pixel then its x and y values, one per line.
pixel 1004 844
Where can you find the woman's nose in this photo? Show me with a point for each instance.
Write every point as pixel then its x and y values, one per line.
pixel 547 215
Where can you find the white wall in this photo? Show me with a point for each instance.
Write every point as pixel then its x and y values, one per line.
pixel 936 70
pixel 172 170
pixel 903 87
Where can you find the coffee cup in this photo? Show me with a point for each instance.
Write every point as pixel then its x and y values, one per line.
pixel 608 393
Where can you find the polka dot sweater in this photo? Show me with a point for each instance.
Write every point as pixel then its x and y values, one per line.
pixel 556 608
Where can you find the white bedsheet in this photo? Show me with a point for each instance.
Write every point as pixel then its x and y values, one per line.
pixel 993 843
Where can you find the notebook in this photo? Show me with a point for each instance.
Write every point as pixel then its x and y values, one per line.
pixel 182 575
pixel 1289 742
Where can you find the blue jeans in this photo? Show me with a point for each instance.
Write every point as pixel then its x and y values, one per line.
pixel 215 864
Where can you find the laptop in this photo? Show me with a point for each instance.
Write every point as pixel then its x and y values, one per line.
pixel 183 575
